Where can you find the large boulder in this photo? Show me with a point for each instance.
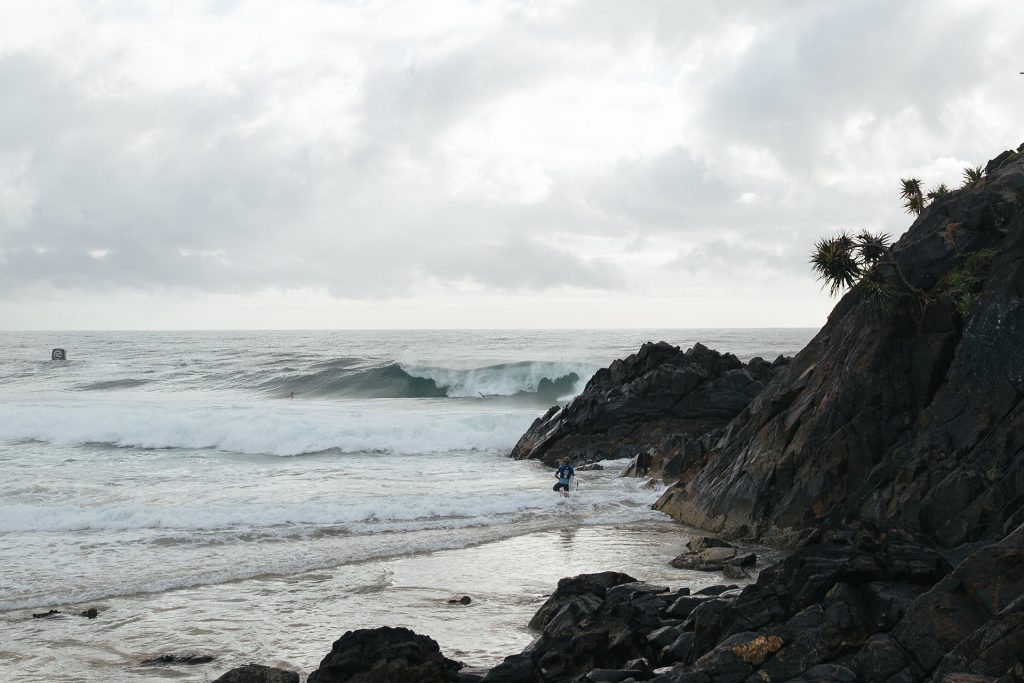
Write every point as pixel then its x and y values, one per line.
pixel 656 393
pixel 894 420
pixel 593 585
pixel 385 655
pixel 601 621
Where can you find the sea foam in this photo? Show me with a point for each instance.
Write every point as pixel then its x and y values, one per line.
pixel 259 429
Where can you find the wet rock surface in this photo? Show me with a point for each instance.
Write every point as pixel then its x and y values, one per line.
pixel 656 393
pixel 851 605
pixel 893 420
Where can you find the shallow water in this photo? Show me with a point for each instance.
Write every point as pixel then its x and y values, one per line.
pixel 166 479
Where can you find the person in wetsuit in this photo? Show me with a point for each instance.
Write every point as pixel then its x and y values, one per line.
pixel 564 473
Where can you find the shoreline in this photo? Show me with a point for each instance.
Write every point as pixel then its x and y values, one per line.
pixel 144 617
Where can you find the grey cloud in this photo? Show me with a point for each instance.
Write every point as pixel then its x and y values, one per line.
pixel 803 75
pixel 197 188
pixel 729 258
pixel 153 177
pixel 518 262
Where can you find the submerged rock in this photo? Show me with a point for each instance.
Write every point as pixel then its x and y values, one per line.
pixel 179 658
pixel 656 393
pixel 46 615
pixel 384 655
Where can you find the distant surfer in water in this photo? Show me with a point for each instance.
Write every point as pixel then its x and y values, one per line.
pixel 291 395
pixel 564 474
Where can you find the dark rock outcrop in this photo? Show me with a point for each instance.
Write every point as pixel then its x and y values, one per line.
pixel 850 605
pixel 256 673
pixel 384 655
pixel 521 668
pixel 894 420
pixel 656 393
pixel 594 621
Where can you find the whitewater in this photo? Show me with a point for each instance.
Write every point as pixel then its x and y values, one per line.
pixel 253 495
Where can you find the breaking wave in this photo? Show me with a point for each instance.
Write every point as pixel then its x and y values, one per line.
pixel 348 377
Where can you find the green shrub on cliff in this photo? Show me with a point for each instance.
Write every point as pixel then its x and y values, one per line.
pixel 963 284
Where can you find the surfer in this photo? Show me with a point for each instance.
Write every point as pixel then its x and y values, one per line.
pixel 564 474
pixel 291 395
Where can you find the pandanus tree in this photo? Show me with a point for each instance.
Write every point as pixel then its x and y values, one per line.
pixel 939 191
pixel 915 199
pixel 861 262
pixel 912 195
pixel 972 174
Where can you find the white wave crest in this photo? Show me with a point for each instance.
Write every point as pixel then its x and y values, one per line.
pixel 506 379
pixel 263 430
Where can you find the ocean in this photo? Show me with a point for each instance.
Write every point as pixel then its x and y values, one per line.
pixel 254 495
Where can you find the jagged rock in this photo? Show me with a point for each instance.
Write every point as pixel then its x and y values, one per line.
pixel 968 601
pixel 521 668
pixel 699 543
pixel 600 621
pixel 256 673
pixel 893 420
pixel 674 458
pixel 734 572
pixel 383 655
pixel 718 589
pixel 682 606
pixel 992 650
pixel 707 560
pixel 593 586
pixel 655 393
pixel 854 604
pixel 743 560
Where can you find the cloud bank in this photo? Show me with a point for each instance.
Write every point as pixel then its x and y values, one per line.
pixel 397 164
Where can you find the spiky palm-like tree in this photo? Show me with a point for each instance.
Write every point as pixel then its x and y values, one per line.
pixel 972 174
pixel 871 247
pixel 881 293
pixel 836 263
pixel 939 191
pixel 864 262
pixel 912 195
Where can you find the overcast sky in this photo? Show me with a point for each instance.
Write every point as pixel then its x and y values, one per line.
pixel 267 164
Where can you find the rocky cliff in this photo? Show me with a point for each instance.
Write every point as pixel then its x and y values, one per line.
pixel 912 419
pixel 657 393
